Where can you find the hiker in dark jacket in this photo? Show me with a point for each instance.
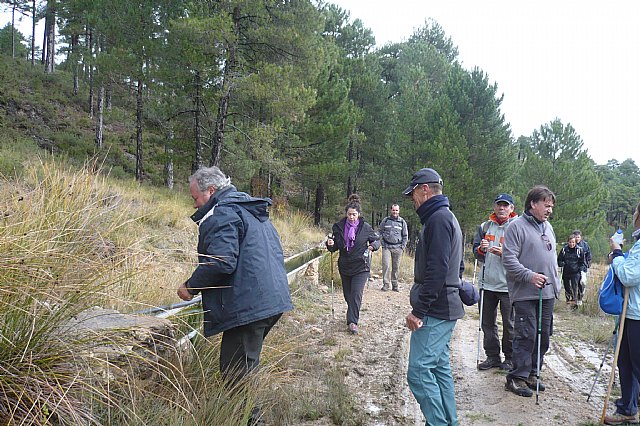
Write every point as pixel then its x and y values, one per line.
pixel 240 271
pixel 355 239
pixel 572 261
pixel 435 299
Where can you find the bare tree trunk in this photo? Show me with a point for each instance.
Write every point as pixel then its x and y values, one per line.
pixel 108 96
pixel 317 211
pixel 33 34
pixel 90 69
pixel 168 165
pixel 49 47
pixel 197 161
pixel 75 38
pixel 349 160
pixel 139 108
pixel 13 31
pixel 227 87
pixel 99 118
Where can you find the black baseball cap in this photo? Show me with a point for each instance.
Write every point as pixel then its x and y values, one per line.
pixel 425 175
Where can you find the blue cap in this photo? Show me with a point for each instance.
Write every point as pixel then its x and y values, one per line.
pixel 504 197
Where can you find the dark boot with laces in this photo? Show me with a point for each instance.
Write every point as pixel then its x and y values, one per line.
pixel 518 386
pixel 490 362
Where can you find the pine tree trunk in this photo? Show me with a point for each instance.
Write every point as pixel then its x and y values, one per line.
pixel 50 31
pixel 227 84
pixel 74 55
pixel 350 160
pixel 197 161
pixel 317 211
pixel 33 34
pixel 168 165
pixel 99 118
pixel 139 109
pixel 90 70
pixel 13 31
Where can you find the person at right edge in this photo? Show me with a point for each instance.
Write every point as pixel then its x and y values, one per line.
pixel 487 248
pixel 529 258
pixel 435 299
pixel 628 271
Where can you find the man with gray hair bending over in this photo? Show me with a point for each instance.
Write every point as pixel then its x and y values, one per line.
pixel 240 271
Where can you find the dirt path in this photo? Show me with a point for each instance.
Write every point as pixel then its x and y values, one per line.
pixel 376 362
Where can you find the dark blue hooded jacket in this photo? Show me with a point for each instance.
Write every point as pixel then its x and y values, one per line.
pixel 240 271
pixel 438 262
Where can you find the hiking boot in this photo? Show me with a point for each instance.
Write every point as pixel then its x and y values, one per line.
pixel 531 382
pixel 395 289
pixel 518 386
pixel 506 365
pixel 353 328
pixel 620 419
pixel 490 362
pixel 385 288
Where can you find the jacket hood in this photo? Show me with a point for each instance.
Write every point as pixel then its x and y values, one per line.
pixel 258 207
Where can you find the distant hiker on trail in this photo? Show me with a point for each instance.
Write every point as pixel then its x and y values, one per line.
pixel 587 255
pixel 572 261
pixel 240 271
pixel 355 239
pixel 628 271
pixel 435 299
pixel 529 258
pixel 394 233
pixel 487 248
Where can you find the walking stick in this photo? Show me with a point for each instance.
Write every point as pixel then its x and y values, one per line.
pixel 613 339
pixel 475 268
pixel 615 355
pixel 539 338
pixel 333 311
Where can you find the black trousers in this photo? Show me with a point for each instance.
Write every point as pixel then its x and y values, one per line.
pixel 525 339
pixel 491 340
pixel 352 290
pixel 241 347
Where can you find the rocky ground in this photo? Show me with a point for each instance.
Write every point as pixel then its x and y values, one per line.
pixel 376 363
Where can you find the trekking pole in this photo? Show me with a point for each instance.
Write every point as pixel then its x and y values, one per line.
pixel 475 268
pixel 333 311
pixel 615 354
pixel 539 338
pixel 613 339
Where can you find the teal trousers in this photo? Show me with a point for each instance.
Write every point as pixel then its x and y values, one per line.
pixel 429 372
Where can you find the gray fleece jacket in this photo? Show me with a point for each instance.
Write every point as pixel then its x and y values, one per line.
pixel 525 252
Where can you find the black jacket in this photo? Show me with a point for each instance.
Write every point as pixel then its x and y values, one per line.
pixel 240 271
pixel 438 263
pixel 354 261
pixel 572 261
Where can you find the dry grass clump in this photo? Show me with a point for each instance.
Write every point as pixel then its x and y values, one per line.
pixel 70 241
pixel 297 232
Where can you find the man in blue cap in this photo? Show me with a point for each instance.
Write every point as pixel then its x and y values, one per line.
pixel 487 248
pixel 435 300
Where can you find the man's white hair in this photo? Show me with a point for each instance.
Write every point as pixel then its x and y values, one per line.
pixel 210 176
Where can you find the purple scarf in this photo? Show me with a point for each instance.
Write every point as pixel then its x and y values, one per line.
pixel 350 233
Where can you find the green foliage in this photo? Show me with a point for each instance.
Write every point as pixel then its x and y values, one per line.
pixel 18 49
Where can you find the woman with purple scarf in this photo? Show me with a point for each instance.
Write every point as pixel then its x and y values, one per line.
pixel 355 239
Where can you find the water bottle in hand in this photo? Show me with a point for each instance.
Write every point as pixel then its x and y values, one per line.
pixel 618 238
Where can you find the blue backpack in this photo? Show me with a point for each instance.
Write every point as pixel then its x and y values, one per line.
pixel 611 293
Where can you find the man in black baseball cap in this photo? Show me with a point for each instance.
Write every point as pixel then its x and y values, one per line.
pixel 425 175
pixel 435 299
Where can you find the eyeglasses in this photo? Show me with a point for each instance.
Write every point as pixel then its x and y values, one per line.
pixel 546 241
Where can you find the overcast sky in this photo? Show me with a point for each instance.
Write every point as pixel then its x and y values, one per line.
pixel 575 60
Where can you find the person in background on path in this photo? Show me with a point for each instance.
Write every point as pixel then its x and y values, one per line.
pixel 240 272
pixel 487 248
pixel 587 256
pixel 628 271
pixel 571 260
pixel 394 233
pixel 434 298
pixel 529 258
pixel 355 239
